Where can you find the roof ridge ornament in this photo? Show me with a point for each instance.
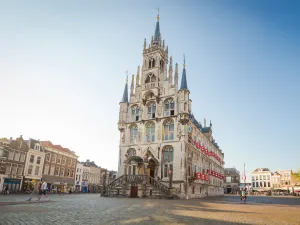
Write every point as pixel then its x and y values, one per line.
pixel 157 17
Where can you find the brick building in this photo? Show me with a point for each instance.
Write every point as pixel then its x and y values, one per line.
pixel 12 162
pixel 59 166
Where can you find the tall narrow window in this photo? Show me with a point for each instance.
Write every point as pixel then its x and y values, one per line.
pixel 32 158
pixel 37 170
pixel 150 132
pixel 29 169
pixel 167 154
pixel 151 110
pixel 169 107
pixel 169 130
pixel 38 161
pixel 133 134
pixel 135 113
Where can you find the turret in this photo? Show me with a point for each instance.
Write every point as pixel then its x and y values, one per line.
pixel 123 108
pixel 171 71
pixel 183 98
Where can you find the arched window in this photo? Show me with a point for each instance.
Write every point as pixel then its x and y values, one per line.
pixel 150 132
pixel 169 130
pixel 169 107
pixel 151 63
pixel 150 78
pixel 151 110
pixel 168 155
pixel 133 134
pixel 161 65
pixel 135 112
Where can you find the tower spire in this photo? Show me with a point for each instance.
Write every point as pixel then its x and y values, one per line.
pixel 176 76
pixel 183 78
pixel 132 86
pixel 138 77
pixel 157 30
pixel 125 93
pixel 171 71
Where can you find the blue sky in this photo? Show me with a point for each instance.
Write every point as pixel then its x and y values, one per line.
pixel 62 74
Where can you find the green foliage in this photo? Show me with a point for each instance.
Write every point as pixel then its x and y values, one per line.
pixel 296 176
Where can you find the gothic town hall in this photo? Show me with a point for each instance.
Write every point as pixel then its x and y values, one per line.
pixel 164 151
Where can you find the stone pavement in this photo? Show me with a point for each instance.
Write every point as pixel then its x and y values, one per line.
pixel 92 209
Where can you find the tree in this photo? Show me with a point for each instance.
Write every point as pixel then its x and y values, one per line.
pixel 296 177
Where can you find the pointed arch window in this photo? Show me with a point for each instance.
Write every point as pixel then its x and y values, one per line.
pixel 169 107
pixel 150 132
pixel 151 110
pixel 135 112
pixel 167 160
pixel 133 134
pixel 151 63
pixel 161 65
pixel 169 130
pixel 150 78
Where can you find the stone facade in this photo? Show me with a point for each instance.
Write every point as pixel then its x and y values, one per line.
pixel 33 171
pixel 159 136
pixel 78 177
pixel 59 167
pixel 232 180
pixel 12 162
pixel 261 179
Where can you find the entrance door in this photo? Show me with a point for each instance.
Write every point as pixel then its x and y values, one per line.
pixel 133 191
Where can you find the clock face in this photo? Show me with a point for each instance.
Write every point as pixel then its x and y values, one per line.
pixel 189 129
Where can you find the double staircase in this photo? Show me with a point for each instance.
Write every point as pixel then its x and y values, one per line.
pixel 138 186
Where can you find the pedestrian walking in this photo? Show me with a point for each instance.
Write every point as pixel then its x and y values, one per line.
pixel 43 191
pixel 35 191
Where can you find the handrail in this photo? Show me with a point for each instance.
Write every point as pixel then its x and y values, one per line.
pixel 140 179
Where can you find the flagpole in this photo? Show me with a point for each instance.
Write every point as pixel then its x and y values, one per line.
pixel 244 175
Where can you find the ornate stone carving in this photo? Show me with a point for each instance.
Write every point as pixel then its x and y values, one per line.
pixel 179 132
pixel 140 135
pixel 159 108
pixel 123 137
pixel 158 132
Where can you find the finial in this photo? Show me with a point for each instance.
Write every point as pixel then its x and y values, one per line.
pixel 126 75
pixel 157 17
pixel 184 61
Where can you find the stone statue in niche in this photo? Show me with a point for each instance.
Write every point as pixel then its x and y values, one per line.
pixel 179 131
pixel 158 132
pixel 140 134
pixel 123 137
pixel 159 108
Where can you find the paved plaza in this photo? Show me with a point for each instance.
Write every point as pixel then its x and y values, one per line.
pixel 92 209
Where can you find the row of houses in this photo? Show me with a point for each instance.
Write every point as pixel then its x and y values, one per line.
pixel 262 180
pixel 283 180
pixel 25 162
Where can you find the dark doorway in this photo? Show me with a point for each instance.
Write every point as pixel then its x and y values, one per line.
pixel 229 190
pixel 133 191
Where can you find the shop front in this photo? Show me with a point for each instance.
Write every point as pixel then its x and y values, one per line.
pixel 29 184
pixel 58 184
pixel 14 184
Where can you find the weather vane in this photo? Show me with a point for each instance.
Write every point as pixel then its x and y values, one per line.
pixel 157 17
pixel 184 60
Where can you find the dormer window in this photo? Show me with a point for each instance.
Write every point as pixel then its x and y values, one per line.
pixel 135 113
pixel 169 107
pixel 37 147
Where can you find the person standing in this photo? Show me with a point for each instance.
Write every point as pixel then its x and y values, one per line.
pixel 35 191
pixel 43 191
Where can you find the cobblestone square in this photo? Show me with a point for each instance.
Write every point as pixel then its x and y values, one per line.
pixel 93 209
